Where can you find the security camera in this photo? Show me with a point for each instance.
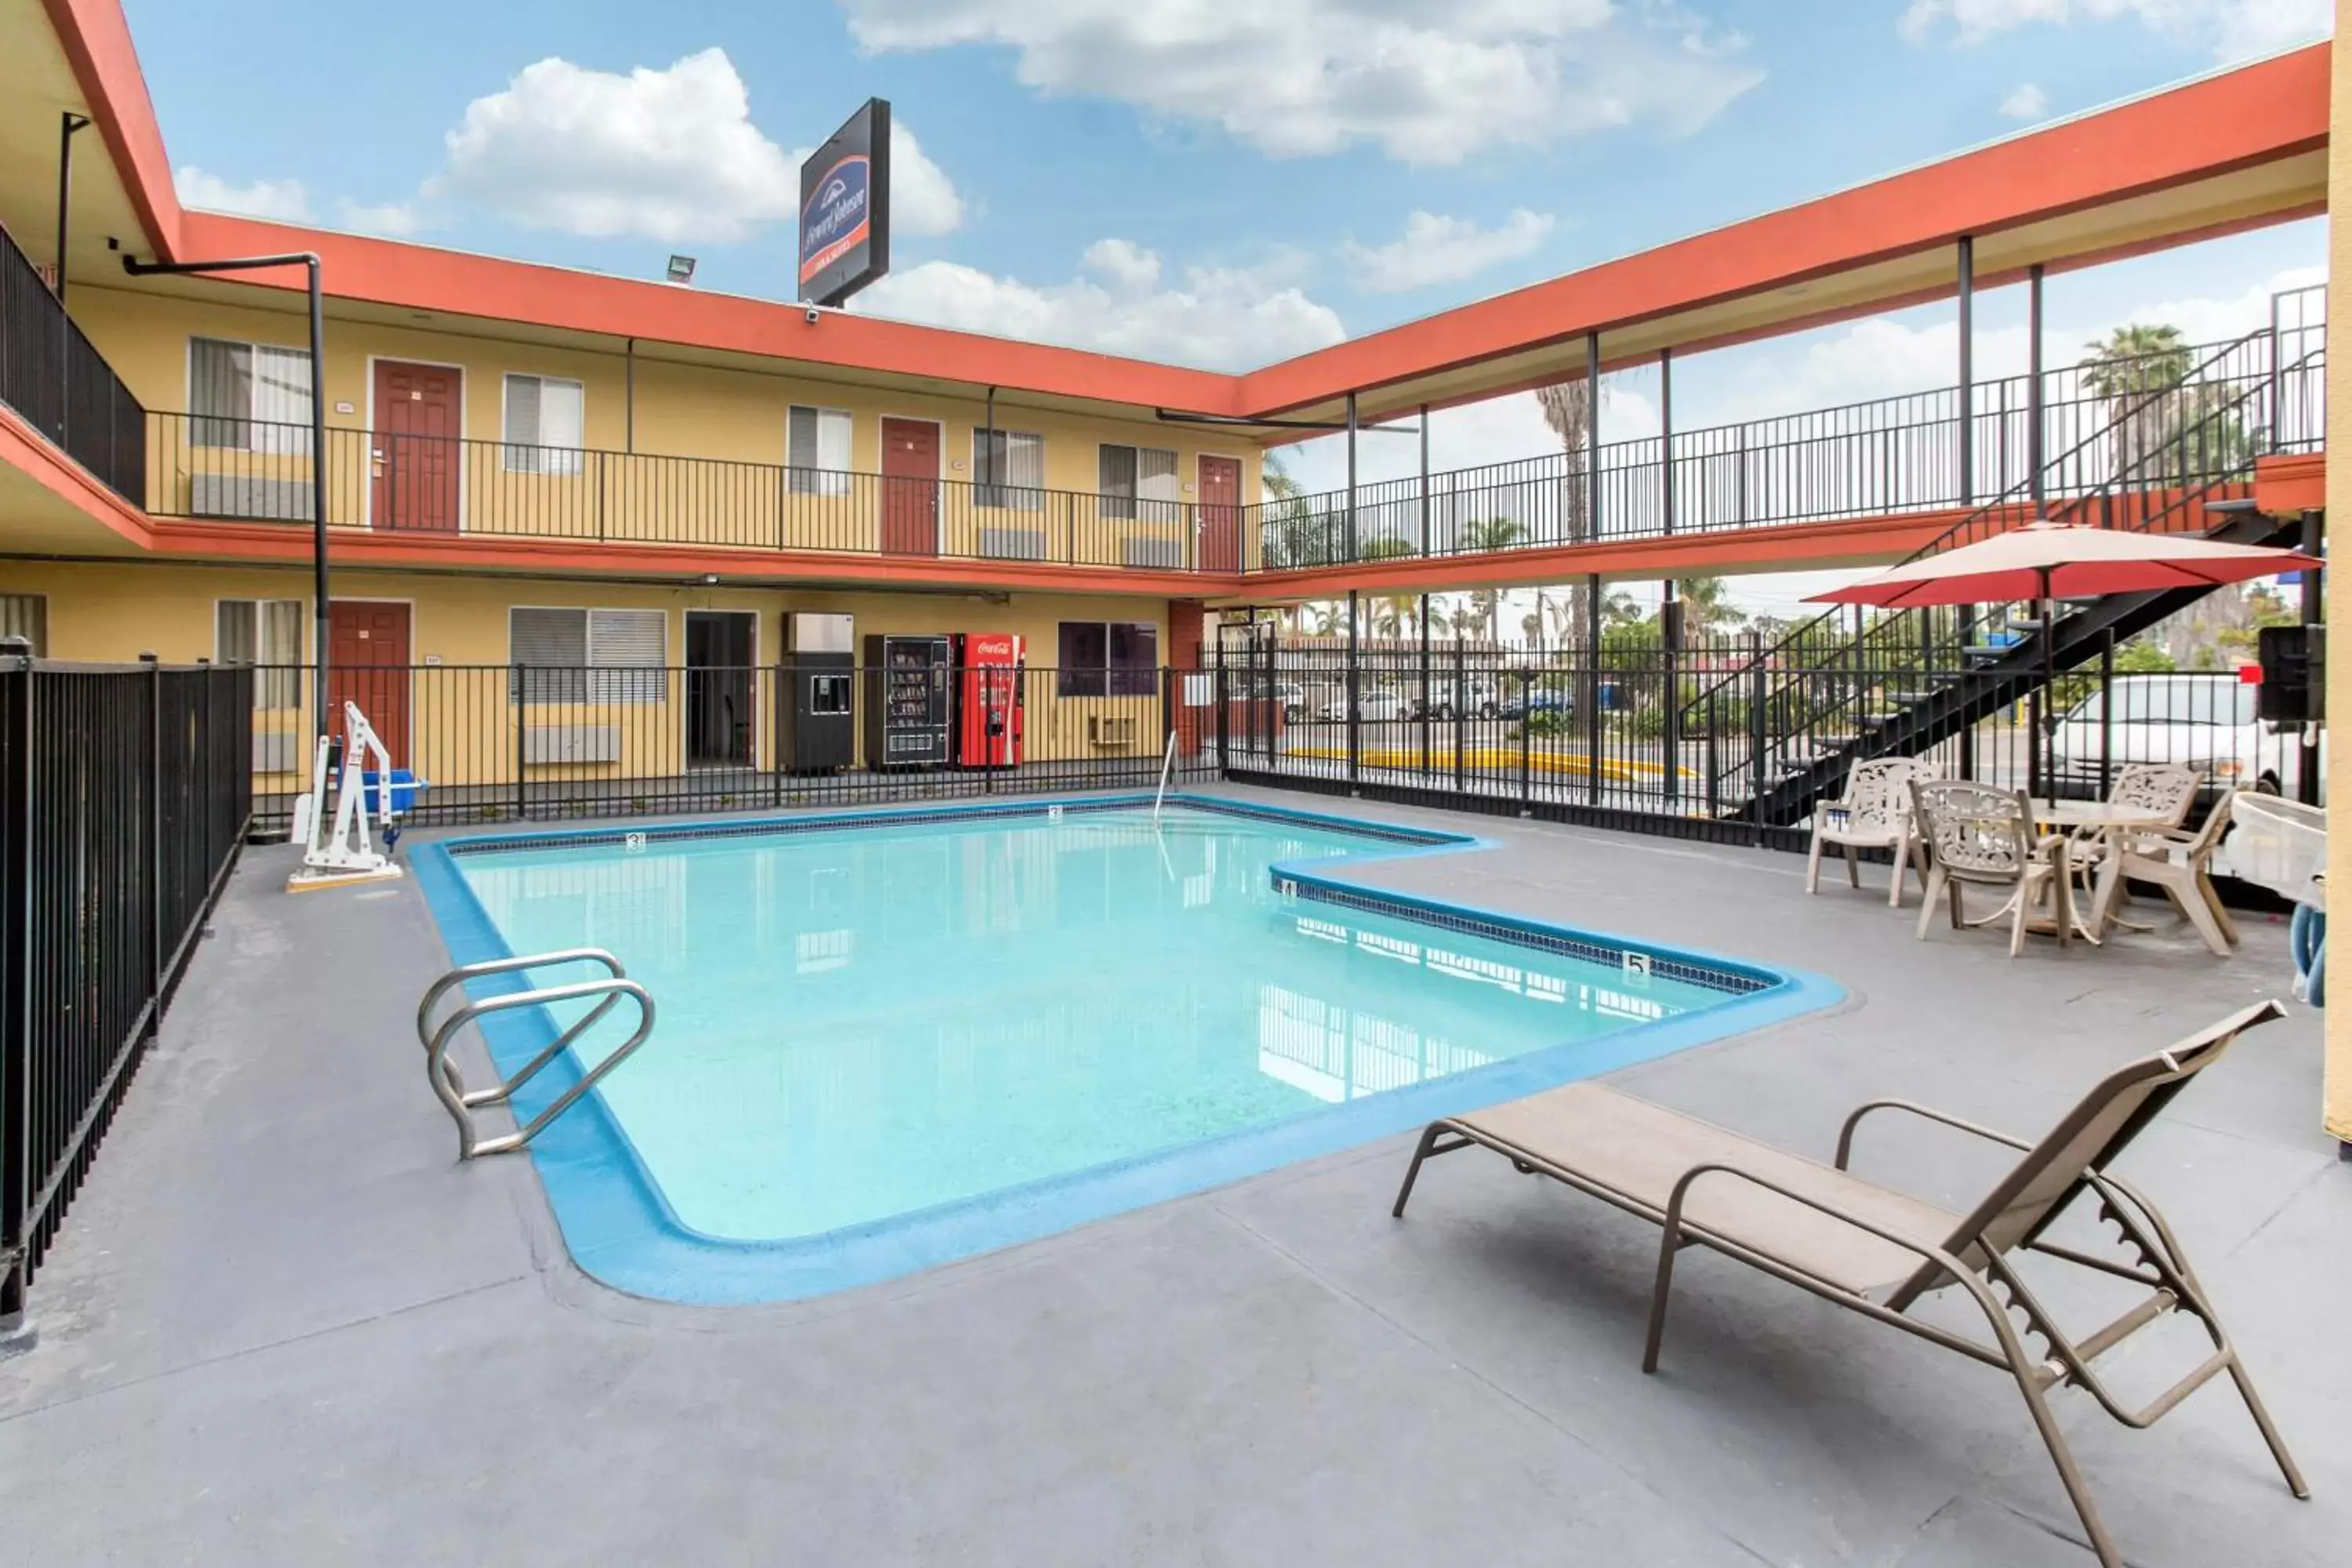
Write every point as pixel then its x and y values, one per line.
pixel 813 314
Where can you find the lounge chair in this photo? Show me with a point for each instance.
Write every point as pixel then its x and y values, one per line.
pixel 1874 812
pixel 1879 1251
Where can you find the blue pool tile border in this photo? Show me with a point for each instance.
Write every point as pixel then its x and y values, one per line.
pixel 621 1230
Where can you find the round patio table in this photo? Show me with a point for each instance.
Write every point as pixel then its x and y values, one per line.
pixel 2104 820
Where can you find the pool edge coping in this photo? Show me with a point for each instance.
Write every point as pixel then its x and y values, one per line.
pixel 617 1226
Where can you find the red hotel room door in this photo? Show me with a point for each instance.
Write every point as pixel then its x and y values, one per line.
pixel 1221 514
pixel 910 487
pixel 367 663
pixel 413 451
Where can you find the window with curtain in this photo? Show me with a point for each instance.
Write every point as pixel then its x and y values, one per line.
pixel 1116 659
pixel 817 451
pixel 249 397
pixel 267 633
pixel 545 416
pixel 1010 469
pixel 26 615
pixel 589 656
pixel 1137 482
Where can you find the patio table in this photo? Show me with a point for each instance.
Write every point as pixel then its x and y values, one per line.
pixel 2102 820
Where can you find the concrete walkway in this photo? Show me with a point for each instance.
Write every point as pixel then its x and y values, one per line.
pixel 285 1326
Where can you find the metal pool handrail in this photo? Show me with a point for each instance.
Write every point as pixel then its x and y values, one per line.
pixel 1166 768
pixel 451 1089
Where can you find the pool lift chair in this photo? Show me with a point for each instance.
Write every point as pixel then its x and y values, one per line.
pixel 340 853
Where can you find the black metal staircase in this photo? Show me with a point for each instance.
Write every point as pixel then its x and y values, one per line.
pixel 1844 688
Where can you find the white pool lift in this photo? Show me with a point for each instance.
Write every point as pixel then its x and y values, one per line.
pixel 2281 844
pixel 341 852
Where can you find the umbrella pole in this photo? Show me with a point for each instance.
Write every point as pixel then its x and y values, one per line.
pixel 2047 739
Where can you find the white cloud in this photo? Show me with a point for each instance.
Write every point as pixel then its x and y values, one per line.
pixel 391 219
pixel 2232 29
pixel 2025 101
pixel 669 154
pixel 1435 250
pixel 284 200
pixel 1428 84
pixel 1220 317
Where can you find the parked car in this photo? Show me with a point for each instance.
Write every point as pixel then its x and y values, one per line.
pixel 1370 707
pixel 1477 701
pixel 1519 704
pixel 2207 722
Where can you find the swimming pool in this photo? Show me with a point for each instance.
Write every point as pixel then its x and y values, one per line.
pixel 896 1037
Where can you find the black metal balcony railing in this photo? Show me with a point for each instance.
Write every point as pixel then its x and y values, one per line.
pixel 57 383
pixel 1864 459
pixel 215 467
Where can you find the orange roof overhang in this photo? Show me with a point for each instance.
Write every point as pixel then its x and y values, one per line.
pixel 2231 151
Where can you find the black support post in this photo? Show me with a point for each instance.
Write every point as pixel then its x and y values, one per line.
pixel 1670 617
pixel 1592 584
pixel 2306 782
pixel 1355 681
pixel 17 990
pixel 2036 398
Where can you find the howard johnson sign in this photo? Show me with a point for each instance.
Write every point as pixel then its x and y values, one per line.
pixel 846 208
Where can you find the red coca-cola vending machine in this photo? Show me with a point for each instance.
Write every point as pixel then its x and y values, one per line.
pixel 989 671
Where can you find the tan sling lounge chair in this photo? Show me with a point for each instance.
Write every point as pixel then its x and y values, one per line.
pixel 1877 1250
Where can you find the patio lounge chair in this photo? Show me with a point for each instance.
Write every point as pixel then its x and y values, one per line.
pixel 1978 835
pixel 1874 813
pixel 1879 1251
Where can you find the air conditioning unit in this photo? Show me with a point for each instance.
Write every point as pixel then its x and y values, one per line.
pixel 1110 730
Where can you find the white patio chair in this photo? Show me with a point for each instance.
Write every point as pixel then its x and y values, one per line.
pixel 2164 789
pixel 1874 812
pixel 1978 835
pixel 2182 863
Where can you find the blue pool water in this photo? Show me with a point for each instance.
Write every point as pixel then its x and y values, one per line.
pixel 863 1023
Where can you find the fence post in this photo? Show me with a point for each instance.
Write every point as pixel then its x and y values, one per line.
pixel 1461 715
pixel 522 731
pixel 16 989
pixel 1526 728
pixel 155 684
pixel 1224 707
pixel 1756 699
pixel 2106 719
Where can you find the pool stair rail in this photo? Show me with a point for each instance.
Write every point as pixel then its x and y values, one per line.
pixel 450 1088
pixel 1166 766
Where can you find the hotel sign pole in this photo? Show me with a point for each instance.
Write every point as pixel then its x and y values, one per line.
pixel 308 262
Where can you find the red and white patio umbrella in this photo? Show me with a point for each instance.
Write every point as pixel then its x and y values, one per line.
pixel 2046 561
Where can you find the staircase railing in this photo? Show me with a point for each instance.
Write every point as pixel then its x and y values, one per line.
pixel 1849 686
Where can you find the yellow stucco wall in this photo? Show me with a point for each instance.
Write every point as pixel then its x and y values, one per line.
pixel 680 412
pixel 461 722
pixel 2338 1090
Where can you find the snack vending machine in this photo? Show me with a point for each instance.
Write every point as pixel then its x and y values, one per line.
pixel 906 701
pixel 990 668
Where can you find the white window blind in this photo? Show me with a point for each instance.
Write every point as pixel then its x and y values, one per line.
pixel 817 451
pixel 1131 475
pixel 248 397
pixel 26 615
pixel 265 632
pixel 589 656
pixel 544 421
pixel 1015 480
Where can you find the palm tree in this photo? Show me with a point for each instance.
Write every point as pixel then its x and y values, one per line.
pixel 2136 372
pixel 1569 407
pixel 1478 538
pixel 1708 606
pixel 1289 534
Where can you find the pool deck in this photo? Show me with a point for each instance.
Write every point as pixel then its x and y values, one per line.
pixel 285 1325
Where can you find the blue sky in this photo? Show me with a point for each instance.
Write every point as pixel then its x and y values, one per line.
pixel 1202 181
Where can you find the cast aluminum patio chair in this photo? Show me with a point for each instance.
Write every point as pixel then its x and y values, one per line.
pixel 1880 1251
pixel 1874 812
pixel 1975 835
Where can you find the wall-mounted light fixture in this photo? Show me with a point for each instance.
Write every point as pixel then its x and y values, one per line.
pixel 681 268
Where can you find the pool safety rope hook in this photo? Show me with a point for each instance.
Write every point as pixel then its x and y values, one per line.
pixel 450 1088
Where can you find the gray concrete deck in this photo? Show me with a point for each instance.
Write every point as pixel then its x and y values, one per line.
pixel 285 1326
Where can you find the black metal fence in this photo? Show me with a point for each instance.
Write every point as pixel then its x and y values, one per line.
pixel 1637 735
pixel 1888 455
pixel 51 375
pixel 124 793
pixel 253 471
pixel 508 744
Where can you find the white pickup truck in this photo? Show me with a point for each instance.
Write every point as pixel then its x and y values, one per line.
pixel 2208 721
